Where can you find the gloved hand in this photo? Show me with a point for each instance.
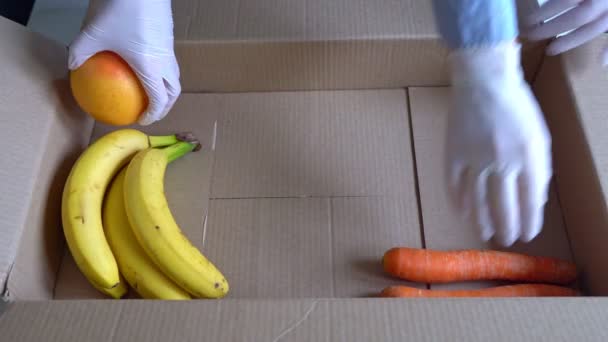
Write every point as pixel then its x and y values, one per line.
pixel 141 32
pixel 498 146
pixel 576 21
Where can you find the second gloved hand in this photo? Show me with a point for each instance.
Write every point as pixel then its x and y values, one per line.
pixel 498 146
pixel 574 21
pixel 141 32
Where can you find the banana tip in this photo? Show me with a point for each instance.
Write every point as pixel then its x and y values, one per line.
pixel 189 137
pixel 186 136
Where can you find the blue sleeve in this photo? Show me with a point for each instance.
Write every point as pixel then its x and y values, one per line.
pixel 470 23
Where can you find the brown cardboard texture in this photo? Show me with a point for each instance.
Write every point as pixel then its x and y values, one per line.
pixel 43 133
pixel 571 90
pixel 296 195
pixel 262 45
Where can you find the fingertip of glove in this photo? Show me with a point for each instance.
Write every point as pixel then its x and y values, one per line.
pixel 527 238
pixel 487 235
pixel 532 231
pixel 506 240
pixel 530 33
pixel 604 58
pixel 73 62
pixel 507 237
pixel 79 52
pixel 145 120
pixel 156 110
pixel 553 49
pixel 148 118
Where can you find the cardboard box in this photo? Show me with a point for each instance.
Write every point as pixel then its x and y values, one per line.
pixel 322 133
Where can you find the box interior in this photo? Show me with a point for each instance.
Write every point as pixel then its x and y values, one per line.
pixel 302 184
pixel 298 194
pixel 270 45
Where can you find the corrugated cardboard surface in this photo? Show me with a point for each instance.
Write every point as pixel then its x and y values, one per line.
pixel 363 230
pixel 318 182
pixel 310 320
pixel 313 44
pixel 262 45
pixel 308 247
pixel 42 131
pixel 572 92
pixel 335 143
pixel 300 20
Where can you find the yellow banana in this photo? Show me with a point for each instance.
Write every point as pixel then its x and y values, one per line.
pixel 83 196
pixel 117 291
pixel 133 262
pixel 156 229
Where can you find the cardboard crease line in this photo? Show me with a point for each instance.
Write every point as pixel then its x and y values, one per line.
pixel 204 228
pixel 297 323
pixel 415 168
pixel 214 136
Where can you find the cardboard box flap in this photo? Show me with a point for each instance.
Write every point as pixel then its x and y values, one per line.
pixel 588 83
pixel 40 129
pixel 478 319
pixel 572 92
pixel 271 45
pixel 293 20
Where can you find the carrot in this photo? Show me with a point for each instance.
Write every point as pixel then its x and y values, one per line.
pixel 432 266
pixel 519 290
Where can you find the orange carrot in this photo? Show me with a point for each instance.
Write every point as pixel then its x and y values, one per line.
pixel 432 266
pixel 520 290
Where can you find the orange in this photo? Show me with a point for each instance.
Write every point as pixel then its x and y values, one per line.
pixel 107 89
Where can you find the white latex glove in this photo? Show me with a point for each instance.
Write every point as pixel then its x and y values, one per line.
pixel 498 146
pixel 141 32
pixel 574 22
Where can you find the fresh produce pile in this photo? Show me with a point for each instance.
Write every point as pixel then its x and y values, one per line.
pixel 543 276
pixel 118 224
pixel 120 231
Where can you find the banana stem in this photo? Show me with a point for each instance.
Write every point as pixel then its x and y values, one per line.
pixel 162 140
pixel 179 150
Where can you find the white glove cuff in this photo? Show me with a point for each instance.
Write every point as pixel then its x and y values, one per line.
pixel 496 64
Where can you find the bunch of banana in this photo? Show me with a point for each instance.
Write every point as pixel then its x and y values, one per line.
pixel 139 270
pixel 117 222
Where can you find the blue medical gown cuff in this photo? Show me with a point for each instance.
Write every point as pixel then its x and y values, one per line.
pixel 475 23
